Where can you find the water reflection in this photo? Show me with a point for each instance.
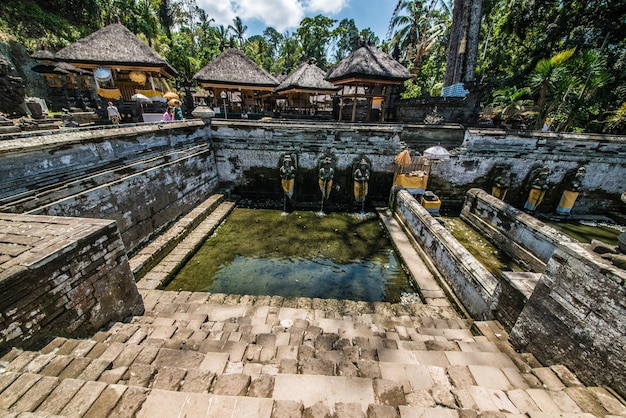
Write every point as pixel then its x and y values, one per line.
pixel 260 252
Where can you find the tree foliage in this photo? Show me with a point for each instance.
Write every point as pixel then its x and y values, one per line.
pixel 522 42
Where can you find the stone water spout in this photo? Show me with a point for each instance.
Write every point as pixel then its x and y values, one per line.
pixel 287 178
pixel 570 194
pixel 361 176
pixel 538 188
pixel 325 179
pixel 501 184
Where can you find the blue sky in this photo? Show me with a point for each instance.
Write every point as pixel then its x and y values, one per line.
pixel 285 15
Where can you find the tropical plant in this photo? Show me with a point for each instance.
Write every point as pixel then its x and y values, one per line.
pixel 510 102
pixel 617 119
pixel 418 30
pixel 315 35
pixel 544 81
pixel 238 29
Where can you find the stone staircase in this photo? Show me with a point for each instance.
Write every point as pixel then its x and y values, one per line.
pixel 216 355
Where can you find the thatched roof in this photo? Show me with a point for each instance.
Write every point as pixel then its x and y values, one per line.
pixel 368 63
pixel 43 55
pixel 114 45
pixel 49 69
pixel 232 69
pixel 306 78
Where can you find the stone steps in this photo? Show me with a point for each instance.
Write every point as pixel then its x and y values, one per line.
pixel 227 355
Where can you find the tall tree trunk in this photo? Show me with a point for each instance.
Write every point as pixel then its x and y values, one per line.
pixel 463 47
pixel 473 34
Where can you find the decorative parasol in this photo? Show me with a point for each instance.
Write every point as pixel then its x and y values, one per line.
pixel 140 98
pixel 171 95
pixel 137 76
pixel 172 102
pixel 437 153
pixel 403 159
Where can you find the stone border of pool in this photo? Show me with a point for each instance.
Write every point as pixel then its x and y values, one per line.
pixel 161 260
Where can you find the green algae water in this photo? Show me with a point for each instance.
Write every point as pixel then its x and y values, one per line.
pixel 494 260
pixel 587 231
pixel 262 252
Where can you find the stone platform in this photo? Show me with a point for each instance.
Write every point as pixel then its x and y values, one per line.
pixel 217 355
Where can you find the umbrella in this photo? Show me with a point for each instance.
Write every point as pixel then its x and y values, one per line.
pixel 140 98
pixel 437 153
pixel 171 95
pixel 403 159
pixel 172 102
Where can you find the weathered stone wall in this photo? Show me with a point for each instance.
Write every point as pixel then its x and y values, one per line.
pixel 527 240
pixel 473 285
pixel 441 109
pixel 420 137
pixel 576 316
pixel 474 165
pixel 61 277
pixel 248 156
pixel 144 177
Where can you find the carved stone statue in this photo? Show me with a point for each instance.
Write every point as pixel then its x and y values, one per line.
pixel 287 176
pixel 325 177
pixel 361 176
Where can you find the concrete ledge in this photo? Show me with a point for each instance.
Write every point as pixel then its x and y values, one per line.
pixel 472 284
pixel 529 241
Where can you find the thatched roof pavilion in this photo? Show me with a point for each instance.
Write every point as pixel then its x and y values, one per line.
pixel 307 78
pixel 232 71
pixel 131 63
pixel 303 84
pixel 116 46
pixel 368 68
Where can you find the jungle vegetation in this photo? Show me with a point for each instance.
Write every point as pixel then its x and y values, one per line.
pixel 562 61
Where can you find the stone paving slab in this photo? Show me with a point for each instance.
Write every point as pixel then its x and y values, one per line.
pixel 161 403
pixel 332 389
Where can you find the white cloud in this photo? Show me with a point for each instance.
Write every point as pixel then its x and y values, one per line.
pixel 325 6
pixel 279 14
pixel 221 11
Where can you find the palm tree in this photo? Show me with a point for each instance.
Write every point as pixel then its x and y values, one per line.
pixel 238 29
pixel 418 30
pixel 221 37
pixel 543 81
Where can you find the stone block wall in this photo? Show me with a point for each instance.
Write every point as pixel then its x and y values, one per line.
pixel 576 316
pixel 144 176
pixel 474 164
pixel 61 277
pixel 248 156
pixel 526 239
pixel 472 284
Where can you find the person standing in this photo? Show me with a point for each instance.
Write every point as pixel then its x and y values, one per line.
pixel 178 111
pixel 168 116
pixel 114 114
